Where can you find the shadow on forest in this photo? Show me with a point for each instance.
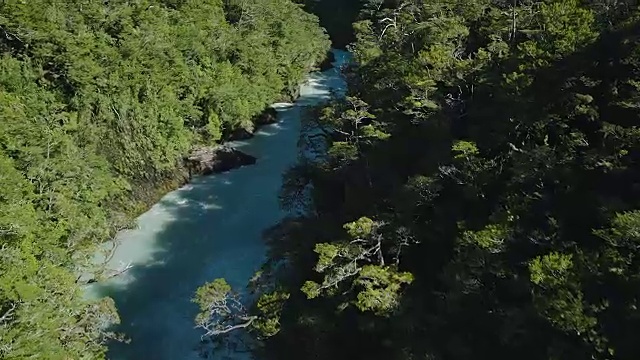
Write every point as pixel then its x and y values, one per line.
pixel 208 229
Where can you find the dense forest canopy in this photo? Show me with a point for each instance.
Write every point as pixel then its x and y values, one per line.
pixel 99 100
pixel 336 16
pixel 478 196
pixel 480 193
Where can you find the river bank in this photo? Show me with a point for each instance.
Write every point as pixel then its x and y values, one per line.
pixel 145 194
pixel 200 161
pixel 209 228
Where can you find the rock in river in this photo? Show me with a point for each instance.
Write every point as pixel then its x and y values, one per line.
pixel 216 159
pixel 268 116
pixel 239 134
pixel 328 61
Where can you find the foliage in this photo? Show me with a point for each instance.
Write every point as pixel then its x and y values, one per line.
pixel 499 207
pixel 99 101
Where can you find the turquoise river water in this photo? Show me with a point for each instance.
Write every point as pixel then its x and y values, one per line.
pixel 208 229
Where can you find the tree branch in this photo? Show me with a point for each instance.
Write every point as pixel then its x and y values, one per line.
pixel 121 271
pixel 215 332
pixel 8 314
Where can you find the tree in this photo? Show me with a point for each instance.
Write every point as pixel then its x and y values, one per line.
pixel 507 177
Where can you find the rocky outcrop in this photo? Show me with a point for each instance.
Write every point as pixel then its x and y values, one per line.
pixel 328 61
pixel 268 116
pixel 216 159
pixel 239 134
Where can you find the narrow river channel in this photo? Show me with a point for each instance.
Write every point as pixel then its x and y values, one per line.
pixel 208 229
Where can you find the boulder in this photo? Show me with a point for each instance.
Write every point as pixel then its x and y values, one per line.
pixel 268 116
pixel 327 63
pixel 216 159
pixel 239 134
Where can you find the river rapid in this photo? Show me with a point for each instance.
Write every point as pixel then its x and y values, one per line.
pixel 208 229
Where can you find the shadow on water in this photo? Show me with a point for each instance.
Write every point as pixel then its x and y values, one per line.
pixel 208 229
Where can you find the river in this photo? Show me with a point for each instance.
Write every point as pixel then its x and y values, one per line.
pixel 208 229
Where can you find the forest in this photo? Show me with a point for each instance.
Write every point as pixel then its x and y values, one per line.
pixel 99 101
pixel 477 196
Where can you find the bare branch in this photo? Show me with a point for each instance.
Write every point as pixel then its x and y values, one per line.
pixel 215 332
pixel 349 257
pixel 512 36
pixel 11 230
pixel 341 278
pixel 8 315
pixel 392 23
pixel 10 36
pixel 123 268
pixel 116 112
